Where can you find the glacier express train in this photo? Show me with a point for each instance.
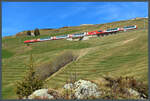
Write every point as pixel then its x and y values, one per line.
pixel 78 35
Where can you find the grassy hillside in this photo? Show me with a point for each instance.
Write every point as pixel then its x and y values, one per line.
pixel 124 54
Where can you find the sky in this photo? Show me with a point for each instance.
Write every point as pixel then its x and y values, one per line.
pixel 21 16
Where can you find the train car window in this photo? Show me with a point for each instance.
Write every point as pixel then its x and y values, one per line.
pixel 108 29
pixel 64 36
pixel 61 36
pixel 112 29
pixel 78 34
pixel 129 27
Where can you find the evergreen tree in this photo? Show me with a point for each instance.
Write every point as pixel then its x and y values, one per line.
pixel 30 83
pixel 36 32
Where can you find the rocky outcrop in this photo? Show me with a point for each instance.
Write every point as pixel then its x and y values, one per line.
pixel 84 89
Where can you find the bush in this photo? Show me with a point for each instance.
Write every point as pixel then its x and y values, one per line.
pixel 47 70
pixel 29 84
pixel 36 32
pixel 121 84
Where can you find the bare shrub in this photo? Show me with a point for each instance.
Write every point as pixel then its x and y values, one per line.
pixel 28 33
pixel 58 62
pixel 120 85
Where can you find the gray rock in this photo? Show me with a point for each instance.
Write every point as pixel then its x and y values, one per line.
pixel 42 93
pixel 133 92
pixel 68 86
pixel 84 89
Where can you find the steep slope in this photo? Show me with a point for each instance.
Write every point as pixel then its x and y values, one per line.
pixel 121 54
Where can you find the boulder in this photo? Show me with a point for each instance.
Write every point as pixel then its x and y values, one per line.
pixel 84 89
pixel 40 94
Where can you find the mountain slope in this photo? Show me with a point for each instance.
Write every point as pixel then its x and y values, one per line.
pixel 122 54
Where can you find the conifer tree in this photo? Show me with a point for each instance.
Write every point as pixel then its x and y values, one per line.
pixel 36 32
pixel 30 83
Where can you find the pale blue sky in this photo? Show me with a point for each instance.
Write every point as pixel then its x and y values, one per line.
pixel 20 16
